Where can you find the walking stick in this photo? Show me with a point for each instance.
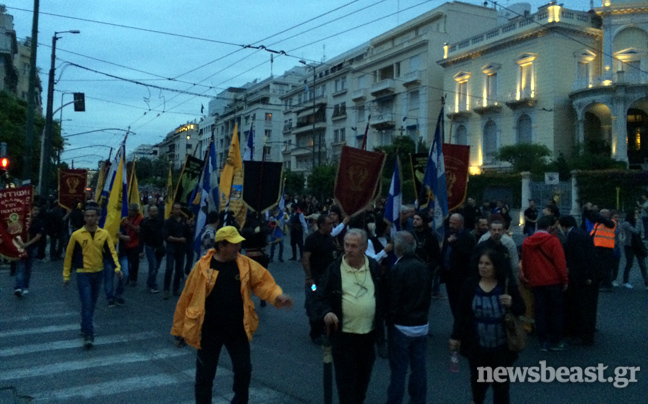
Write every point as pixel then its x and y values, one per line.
pixel 328 370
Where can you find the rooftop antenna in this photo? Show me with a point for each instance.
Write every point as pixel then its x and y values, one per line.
pixel 271 63
pixel 323 53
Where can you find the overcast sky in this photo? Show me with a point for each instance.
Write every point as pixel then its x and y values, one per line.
pixel 186 52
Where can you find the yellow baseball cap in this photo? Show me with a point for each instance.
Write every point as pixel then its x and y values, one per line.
pixel 229 234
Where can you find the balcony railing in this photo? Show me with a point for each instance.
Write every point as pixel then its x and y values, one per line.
pixel 383 87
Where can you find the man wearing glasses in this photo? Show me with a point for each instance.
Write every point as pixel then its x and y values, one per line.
pixel 348 300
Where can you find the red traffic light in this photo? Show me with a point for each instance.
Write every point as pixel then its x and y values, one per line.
pixel 4 163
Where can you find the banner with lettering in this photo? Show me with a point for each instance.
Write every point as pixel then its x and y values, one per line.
pixel 15 219
pixel 357 179
pixel 71 187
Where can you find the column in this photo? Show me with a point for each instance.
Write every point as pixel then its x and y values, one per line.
pixel 575 204
pixel 526 193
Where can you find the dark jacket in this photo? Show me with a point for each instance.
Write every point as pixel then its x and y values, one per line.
pixel 464 328
pixel 457 268
pixel 408 292
pixel 580 256
pixel 427 248
pixel 328 296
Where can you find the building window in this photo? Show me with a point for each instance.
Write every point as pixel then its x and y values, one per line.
pixel 268 134
pixel 414 100
pixel 461 135
pixel 343 135
pixel 360 111
pixel 524 129
pixel 526 79
pixel 462 98
pixel 362 81
pixel 268 116
pixel 489 142
pixel 414 63
pixel 336 135
pixel 340 84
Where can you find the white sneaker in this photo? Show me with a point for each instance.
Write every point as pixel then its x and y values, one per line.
pixel 625 285
pixel 24 292
pixel 615 284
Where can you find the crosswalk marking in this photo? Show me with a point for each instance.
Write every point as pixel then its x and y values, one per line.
pixel 39 316
pixel 39 330
pixel 101 361
pixel 68 344
pixel 108 388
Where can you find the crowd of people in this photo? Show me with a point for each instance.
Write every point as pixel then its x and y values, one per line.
pixel 368 287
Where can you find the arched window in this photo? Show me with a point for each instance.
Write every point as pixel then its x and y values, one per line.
pixel 524 129
pixel 489 143
pixel 461 135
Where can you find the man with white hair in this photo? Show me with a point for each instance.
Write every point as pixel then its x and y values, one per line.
pixel 348 300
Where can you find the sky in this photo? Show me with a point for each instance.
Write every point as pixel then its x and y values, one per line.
pixel 148 66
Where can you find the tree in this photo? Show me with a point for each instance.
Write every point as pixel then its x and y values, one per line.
pixel 322 181
pixel 402 146
pixel 525 156
pixel 153 171
pixel 293 183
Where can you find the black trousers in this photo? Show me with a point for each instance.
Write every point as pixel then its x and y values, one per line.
pixel 297 240
pixel 238 347
pixel 578 311
pixel 174 260
pixel 133 263
pixel 353 359
pixel 491 359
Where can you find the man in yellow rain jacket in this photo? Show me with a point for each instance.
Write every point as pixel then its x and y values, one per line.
pixel 216 309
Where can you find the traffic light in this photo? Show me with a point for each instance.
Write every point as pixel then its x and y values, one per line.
pixel 4 165
pixel 79 102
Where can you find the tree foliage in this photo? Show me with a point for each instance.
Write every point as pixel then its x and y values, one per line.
pixel 322 180
pixel 13 129
pixel 402 146
pixel 153 172
pixel 524 156
pixel 293 183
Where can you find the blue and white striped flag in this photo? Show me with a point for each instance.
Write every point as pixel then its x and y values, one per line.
pixel 249 148
pixel 394 200
pixel 434 180
pixel 206 200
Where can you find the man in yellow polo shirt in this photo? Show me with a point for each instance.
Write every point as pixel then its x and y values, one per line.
pixel 85 252
pixel 348 300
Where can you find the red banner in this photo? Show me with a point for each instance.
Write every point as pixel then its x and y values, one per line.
pixel 456 158
pixel 71 187
pixel 15 219
pixel 357 179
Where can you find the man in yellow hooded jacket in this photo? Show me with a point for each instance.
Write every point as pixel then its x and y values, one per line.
pixel 216 309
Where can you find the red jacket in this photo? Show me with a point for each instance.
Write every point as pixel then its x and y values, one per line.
pixel 543 260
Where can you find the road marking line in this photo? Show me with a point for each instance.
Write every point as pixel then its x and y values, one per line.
pixel 101 361
pixel 67 344
pixel 40 330
pixel 108 388
pixel 27 318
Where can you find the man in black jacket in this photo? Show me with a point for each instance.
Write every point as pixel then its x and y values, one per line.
pixel 457 250
pixel 408 294
pixel 152 236
pixel 353 279
pixel 581 297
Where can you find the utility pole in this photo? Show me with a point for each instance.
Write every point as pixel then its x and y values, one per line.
pixel 31 98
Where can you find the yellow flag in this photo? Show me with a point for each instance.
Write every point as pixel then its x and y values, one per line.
pixel 117 207
pixel 168 205
pixel 101 176
pixel 133 187
pixel 231 181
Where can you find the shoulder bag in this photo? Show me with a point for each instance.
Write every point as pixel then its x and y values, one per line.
pixel 516 337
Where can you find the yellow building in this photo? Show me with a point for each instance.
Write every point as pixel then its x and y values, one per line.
pixel 511 84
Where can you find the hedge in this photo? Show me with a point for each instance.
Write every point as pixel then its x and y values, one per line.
pixel 599 187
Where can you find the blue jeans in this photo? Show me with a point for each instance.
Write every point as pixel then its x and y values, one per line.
pixel 89 288
pixel 274 242
pixel 154 262
pixel 24 268
pixel 407 352
pixel 109 275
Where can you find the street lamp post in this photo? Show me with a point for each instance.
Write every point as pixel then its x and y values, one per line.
pixel 43 181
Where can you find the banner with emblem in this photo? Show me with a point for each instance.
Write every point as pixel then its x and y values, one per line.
pixel 457 160
pixel 15 219
pixel 71 187
pixel 357 179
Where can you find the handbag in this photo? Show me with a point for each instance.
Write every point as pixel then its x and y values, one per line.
pixel 638 247
pixel 516 337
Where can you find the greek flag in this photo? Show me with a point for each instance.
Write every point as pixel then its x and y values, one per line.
pixel 205 194
pixel 394 200
pixel 434 180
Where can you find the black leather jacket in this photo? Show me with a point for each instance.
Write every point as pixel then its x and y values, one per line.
pixel 408 292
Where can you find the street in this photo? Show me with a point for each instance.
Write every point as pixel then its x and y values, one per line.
pixel 134 359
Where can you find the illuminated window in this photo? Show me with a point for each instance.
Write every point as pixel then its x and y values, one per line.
pixel 526 79
pixel 490 84
pixel 462 96
pixel 268 116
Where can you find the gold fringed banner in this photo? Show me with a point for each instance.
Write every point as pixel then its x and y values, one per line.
pixel 357 179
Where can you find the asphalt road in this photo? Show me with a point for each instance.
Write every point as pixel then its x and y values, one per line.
pixel 135 361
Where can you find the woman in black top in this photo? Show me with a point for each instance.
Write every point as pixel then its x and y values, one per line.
pixel 479 331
